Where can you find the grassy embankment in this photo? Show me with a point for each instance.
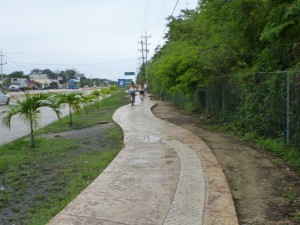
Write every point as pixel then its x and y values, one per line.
pixel 36 183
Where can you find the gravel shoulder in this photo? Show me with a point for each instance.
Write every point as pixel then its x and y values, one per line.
pixel 264 189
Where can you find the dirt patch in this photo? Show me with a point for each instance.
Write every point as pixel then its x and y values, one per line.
pixel 88 139
pixel 264 189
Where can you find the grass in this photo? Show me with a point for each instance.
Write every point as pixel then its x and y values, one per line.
pixel 277 147
pixel 291 194
pixel 84 119
pixel 35 184
pixel 296 217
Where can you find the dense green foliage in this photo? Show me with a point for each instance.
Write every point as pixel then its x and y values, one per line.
pixel 236 61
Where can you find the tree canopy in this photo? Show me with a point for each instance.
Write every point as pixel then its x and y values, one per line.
pixel 224 37
pixel 231 58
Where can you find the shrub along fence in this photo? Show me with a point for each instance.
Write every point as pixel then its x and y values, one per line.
pixel 265 104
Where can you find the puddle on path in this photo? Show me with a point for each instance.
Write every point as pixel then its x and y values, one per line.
pixel 151 138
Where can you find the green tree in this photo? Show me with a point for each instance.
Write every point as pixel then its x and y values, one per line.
pixel 50 74
pixel 29 110
pixel 228 55
pixel 36 71
pixel 141 76
pixel 17 74
pixel 73 100
pixel 281 32
pixel 70 74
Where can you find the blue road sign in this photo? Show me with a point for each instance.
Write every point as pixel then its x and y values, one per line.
pixel 122 82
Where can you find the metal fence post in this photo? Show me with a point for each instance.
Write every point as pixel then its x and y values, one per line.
pixel 287 107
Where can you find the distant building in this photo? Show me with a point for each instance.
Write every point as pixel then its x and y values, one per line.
pixel 38 76
pixel 34 85
pixel 78 76
pixel 42 80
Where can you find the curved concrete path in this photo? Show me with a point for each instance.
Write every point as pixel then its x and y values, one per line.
pixel 164 175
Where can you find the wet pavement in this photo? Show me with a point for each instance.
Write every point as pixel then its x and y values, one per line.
pixel 164 175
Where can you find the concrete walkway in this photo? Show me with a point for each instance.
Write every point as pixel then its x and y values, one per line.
pixel 164 175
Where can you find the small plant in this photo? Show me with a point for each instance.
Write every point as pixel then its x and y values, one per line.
pixel 87 100
pixel 96 95
pixel 250 136
pixel 291 194
pixel 190 106
pixel 4 197
pixel 296 217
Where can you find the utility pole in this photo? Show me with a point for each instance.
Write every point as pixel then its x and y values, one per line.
pixel 142 50
pixel 144 42
pixel 1 64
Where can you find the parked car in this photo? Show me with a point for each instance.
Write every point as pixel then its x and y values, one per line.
pixel 50 87
pixel 4 98
pixel 14 87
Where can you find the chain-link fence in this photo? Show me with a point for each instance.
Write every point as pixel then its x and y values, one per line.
pixel 267 104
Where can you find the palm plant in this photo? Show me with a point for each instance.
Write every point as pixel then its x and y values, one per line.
pixel 96 94
pixel 87 100
pixel 29 110
pixel 104 92
pixel 73 100
pixel 114 89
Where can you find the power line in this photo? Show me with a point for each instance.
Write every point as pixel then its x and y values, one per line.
pixel 166 25
pixel 146 15
pixel 21 66
pixel 66 53
pixel 159 15
pixel 174 8
pixel 71 64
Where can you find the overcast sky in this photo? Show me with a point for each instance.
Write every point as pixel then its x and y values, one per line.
pixel 97 37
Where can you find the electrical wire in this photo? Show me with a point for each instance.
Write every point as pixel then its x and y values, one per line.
pixel 71 64
pixel 66 53
pixel 166 25
pixel 159 15
pixel 146 12
pixel 21 66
